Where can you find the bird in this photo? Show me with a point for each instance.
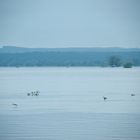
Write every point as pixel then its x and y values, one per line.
pixel 15 104
pixel 28 94
pixel 105 98
pixel 37 91
pixel 132 94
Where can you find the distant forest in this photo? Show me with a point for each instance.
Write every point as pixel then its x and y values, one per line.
pixel 25 57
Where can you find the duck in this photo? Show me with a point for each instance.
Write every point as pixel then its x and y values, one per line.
pixel 15 104
pixel 105 98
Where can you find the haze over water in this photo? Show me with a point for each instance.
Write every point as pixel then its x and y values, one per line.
pixel 70 23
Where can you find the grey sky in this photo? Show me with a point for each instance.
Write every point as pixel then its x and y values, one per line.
pixel 70 23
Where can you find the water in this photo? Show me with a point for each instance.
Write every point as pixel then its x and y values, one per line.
pixel 70 104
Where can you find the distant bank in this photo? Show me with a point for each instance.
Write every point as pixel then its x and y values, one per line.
pixel 11 56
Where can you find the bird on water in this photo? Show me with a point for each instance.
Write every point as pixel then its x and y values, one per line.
pixel 15 104
pixel 132 94
pixel 105 98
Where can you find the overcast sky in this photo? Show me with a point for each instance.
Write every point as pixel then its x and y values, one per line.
pixel 70 23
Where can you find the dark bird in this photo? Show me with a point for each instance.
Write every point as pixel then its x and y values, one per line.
pixel 132 94
pixel 36 94
pixel 105 98
pixel 28 94
pixel 15 105
pixel 37 91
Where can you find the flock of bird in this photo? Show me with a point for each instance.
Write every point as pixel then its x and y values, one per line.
pixel 36 93
pixel 33 93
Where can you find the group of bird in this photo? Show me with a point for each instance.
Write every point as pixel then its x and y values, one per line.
pixel 105 98
pixel 33 93
pixel 36 93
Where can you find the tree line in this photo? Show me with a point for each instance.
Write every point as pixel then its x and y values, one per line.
pixel 117 59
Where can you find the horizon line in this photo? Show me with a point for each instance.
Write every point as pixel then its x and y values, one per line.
pixel 13 46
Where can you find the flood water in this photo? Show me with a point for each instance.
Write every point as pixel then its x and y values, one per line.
pixel 70 104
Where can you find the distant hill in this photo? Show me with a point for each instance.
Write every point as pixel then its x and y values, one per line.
pixel 14 49
pixel 17 56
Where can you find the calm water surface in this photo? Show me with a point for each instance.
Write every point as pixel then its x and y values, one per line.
pixel 70 104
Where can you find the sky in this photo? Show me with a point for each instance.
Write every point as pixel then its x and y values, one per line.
pixel 70 23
